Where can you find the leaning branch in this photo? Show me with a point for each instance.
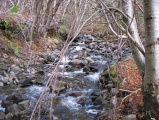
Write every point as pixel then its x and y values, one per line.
pixel 132 40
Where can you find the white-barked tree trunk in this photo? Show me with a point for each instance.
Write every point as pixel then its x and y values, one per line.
pixel 151 78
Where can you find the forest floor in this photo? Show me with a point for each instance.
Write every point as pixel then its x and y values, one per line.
pixel 132 103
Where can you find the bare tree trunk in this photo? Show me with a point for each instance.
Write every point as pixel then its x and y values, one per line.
pixel 132 28
pixel 47 11
pixel 53 12
pixel 151 78
pixel 37 10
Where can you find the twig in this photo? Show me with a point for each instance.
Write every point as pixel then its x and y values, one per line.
pixel 131 92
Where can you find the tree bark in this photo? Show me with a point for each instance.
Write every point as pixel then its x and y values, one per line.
pixel 132 28
pixel 151 78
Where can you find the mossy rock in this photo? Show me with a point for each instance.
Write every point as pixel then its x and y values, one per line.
pixel 63 29
pixel 113 72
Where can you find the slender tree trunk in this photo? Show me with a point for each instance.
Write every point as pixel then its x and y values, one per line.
pixel 151 78
pixel 46 14
pixel 53 12
pixel 132 28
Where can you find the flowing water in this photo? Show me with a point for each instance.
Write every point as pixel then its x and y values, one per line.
pixel 81 100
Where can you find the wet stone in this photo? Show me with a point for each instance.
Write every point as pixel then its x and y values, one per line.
pixel 114 91
pixel 38 81
pixel 97 92
pixel 1 84
pixel 86 70
pixel 27 81
pixel 75 94
pixel 130 117
pixel 16 61
pixel 16 98
pixel 82 100
pixel 110 85
pixel 113 100
pixel 98 100
pixel 24 105
pixel 25 114
pixel 9 116
pixel 76 62
pixel 41 72
pixel 2 115
pixel 16 69
pixel 14 109
pixel 60 109
pixel 3 67
pixel 6 103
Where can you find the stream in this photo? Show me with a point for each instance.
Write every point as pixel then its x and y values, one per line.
pixel 80 96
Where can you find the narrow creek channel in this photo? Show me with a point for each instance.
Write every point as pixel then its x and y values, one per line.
pixel 80 97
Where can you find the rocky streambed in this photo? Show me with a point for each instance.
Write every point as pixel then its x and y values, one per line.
pixel 80 93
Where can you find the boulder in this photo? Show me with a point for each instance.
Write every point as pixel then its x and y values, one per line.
pixel 58 86
pixel 86 70
pixel 115 57
pixel 5 56
pixel 96 92
pixel 56 101
pixel 62 109
pixel 16 98
pixel 105 94
pixel 3 67
pixel 2 115
pixel 94 66
pixel 84 100
pixel 87 49
pixel 114 91
pixel 69 68
pixel 103 81
pixel 27 81
pixel 39 81
pixel 89 59
pixel 113 100
pixel 16 61
pixel 110 85
pixel 16 69
pixel 92 45
pixel 32 104
pixel 75 94
pixel 9 116
pixel 40 72
pixel 24 105
pixel 130 117
pixel 1 78
pixel 77 63
pixel 1 84
pixel 47 57
pixel 12 78
pixel 6 80
pixel 98 100
pixel 14 109
pixel 88 41
pixel 6 103
pixel 25 114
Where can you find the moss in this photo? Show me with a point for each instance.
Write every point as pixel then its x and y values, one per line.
pixel 113 71
pixel 63 29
